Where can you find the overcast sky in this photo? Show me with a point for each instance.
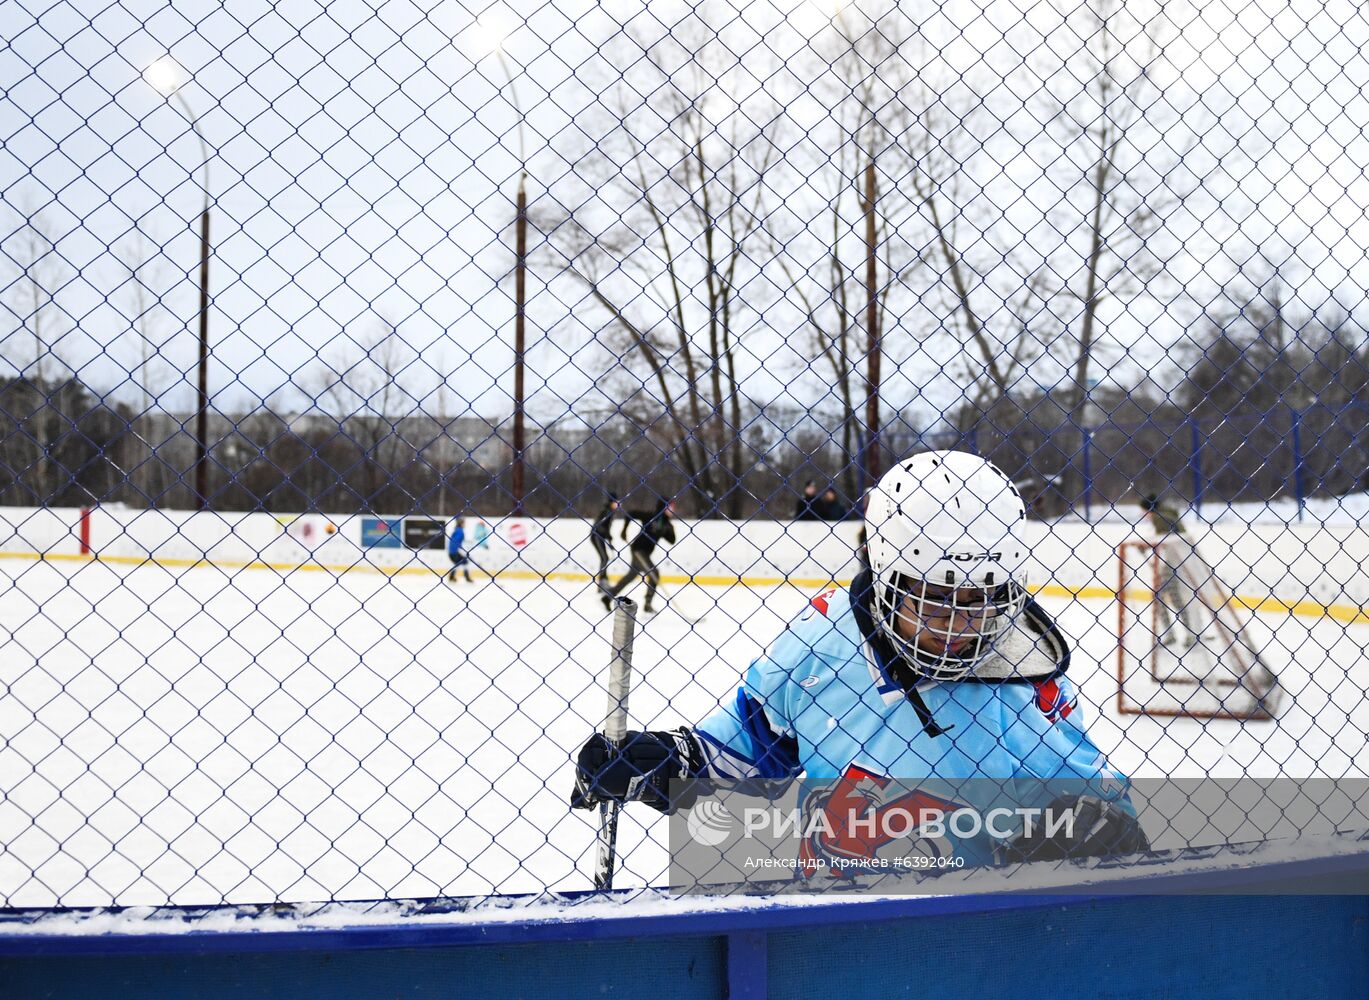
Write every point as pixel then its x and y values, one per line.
pixel 365 157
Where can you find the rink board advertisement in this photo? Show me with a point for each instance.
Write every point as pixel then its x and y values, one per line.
pixel 881 836
pixel 380 533
pixel 307 530
pixel 424 533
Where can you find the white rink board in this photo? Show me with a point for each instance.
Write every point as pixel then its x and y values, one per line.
pixel 205 735
pixel 1327 563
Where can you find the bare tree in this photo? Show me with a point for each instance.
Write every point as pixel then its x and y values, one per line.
pixel 144 293
pixel 915 254
pixel 38 272
pixel 853 256
pixel 439 452
pixel 664 241
pixel 1118 217
pixel 1120 183
pixel 988 282
pixel 38 275
pixel 364 390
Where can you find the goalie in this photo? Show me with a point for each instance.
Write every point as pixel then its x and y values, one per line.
pixel 1176 604
pixel 933 669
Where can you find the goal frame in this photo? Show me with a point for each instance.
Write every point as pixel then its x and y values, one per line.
pixel 1220 604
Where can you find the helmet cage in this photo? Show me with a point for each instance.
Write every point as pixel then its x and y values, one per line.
pixel 963 622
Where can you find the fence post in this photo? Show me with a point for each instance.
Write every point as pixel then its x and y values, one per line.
pixel 1298 489
pixel 1195 462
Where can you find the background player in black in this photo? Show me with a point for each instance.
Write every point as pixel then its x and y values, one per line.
pixel 656 529
pixel 601 537
pixel 828 507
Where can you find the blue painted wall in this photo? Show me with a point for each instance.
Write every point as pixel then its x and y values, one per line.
pixel 1204 946
pixel 1215 947
pixel 689 968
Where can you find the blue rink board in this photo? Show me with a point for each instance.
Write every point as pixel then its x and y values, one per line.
pixel 1203 946
pixel 1072 947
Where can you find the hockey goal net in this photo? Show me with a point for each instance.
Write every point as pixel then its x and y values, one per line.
pixel 1184 647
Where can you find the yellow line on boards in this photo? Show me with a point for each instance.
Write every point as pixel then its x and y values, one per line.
pixel 1348 613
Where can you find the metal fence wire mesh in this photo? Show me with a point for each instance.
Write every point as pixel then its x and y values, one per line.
pixel 299 296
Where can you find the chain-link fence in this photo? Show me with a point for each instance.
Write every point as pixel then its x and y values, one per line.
pixel 355 356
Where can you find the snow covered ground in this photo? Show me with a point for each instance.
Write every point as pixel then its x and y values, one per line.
pixel 203 735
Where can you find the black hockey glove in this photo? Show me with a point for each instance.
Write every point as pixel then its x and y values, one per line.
pixel 1098 829
pixel 638 771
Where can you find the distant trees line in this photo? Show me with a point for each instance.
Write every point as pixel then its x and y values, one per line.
pixel 1267 407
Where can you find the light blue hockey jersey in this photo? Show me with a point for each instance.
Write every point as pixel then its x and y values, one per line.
pixel 821 703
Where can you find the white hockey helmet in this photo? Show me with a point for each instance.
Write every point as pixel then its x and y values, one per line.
pixel 947 550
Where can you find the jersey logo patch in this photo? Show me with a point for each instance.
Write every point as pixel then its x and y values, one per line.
pixel 1051 700
pixel 868 817
pixel 821 601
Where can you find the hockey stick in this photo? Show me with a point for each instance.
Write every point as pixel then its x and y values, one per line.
pixel 615 728
pixel 670 606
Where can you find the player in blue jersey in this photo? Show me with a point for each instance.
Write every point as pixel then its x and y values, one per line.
pixel 456 551
pixel 934 682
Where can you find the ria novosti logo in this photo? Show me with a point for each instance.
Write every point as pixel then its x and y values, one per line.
pixel 709 822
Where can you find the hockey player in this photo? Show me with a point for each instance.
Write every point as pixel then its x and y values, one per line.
pixel 601 537
pixel 456 551
pixel 656 529
pixel 1176 603
pixel 828 507
pixel 933 670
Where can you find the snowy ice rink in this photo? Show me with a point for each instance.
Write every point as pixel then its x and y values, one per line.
pixel 202 735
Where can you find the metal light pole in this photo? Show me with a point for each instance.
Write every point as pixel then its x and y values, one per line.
pixel 870 463
pixel 519 340
pixel 874 346
pixel 202 387
pixel 163 76
pixel 520 296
